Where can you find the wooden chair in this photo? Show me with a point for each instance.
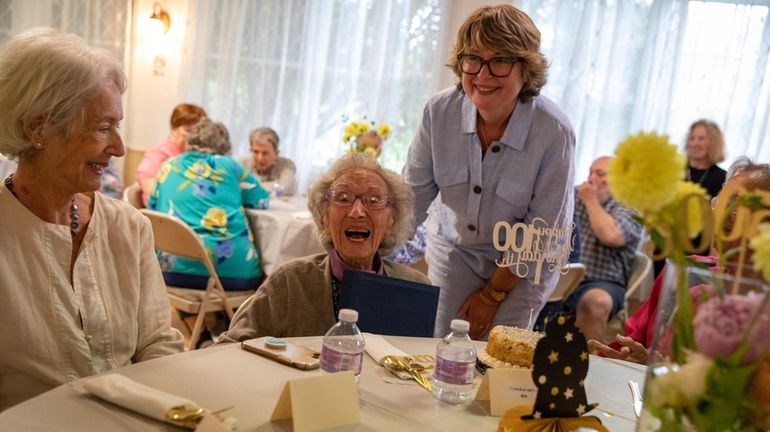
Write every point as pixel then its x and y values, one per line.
pixel 568 281
pixel 132 194
pixel 175 237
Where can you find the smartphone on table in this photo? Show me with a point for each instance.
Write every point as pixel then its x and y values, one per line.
pixel 284 352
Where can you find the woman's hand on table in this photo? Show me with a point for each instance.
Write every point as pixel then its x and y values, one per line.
pixel 630 350
pixel 478 313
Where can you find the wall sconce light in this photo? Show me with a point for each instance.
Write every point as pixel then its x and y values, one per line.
pixel 161 15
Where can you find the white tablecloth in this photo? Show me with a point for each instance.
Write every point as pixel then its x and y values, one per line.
pixel 225 376
pixel 283 232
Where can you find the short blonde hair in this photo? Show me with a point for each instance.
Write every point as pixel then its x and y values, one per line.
pixel 401 198
pixel 48 75
pixel 508 31
pixel 716 150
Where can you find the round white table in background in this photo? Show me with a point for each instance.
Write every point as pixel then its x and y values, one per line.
pixel 224 376
pixel 283 232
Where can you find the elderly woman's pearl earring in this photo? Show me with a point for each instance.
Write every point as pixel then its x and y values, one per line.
pixel 38 145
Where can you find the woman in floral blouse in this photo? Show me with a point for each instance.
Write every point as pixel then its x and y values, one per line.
pixel 209 191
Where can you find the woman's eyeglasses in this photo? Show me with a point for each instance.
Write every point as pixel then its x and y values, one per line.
pixel 370 201
pixel 499 67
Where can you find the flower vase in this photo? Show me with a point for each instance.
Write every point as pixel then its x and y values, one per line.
pixel 709 363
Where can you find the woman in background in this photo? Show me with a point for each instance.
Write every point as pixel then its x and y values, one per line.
pixel 81 291
pixel 705 148
pixel 496 151
pixel 182 119
pixel 275 173
pixel 208 191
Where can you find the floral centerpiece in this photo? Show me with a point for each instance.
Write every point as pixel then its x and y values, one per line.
pixel 709 364
pixel 365 136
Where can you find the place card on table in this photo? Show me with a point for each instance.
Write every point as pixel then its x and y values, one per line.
pixel 319 402
pixel 507 388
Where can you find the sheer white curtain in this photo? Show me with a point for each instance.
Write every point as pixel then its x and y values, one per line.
pixel 102 23
pixel 618 67
pixel 299 66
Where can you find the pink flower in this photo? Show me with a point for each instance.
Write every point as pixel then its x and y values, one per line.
pixel 720 325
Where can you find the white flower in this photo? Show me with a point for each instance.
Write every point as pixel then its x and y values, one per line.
pixel 693 374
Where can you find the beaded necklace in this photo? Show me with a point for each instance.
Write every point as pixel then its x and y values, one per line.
pixel 74 214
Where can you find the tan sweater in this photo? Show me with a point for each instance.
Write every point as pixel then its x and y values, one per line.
pixel 296 300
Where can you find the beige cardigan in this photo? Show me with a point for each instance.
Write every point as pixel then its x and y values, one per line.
pixel 296 300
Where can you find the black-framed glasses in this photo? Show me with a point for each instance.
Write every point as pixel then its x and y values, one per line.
pixel 343 198
pixel 499 67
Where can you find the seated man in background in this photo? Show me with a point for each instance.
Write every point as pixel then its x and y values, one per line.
pixel 273 172
pixel 609 236
pixel 183 118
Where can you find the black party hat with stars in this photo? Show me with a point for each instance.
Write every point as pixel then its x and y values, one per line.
pixel 559 370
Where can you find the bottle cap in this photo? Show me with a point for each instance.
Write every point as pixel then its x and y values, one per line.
pixel 348 315
pixel 460 325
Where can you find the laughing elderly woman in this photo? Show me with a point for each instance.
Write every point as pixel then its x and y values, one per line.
pixel 362 212
pixel 81 291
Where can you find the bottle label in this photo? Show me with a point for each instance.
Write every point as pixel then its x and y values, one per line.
pixel 452 372
pixel 335 361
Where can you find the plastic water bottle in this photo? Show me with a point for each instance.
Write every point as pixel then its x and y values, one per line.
pixel 455 363
pixel 343 345
pixel 278 190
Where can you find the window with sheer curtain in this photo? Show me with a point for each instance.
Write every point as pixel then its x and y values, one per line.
pixel 618 67
pixel 102 23
pixel 300 66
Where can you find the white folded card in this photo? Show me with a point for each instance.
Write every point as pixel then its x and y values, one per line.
pixel 507 388
pixel 320 402
pixel 153 403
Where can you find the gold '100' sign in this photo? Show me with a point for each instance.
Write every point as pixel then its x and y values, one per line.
pixel 734 219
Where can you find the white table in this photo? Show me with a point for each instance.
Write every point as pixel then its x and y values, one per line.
pixel 283 232
pixel 228 376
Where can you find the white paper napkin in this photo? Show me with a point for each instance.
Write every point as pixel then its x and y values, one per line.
pixel 377 347
pixel 129 394
pixel 303 215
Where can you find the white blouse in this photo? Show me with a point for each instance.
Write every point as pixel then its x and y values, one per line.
pixel 113 313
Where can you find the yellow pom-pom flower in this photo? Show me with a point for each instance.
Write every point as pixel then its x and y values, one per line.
pixel 383 130
pixel 761 246
pixel 693 193
pixel 645 172
pixel 371 145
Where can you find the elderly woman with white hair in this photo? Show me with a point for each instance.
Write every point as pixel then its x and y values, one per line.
pixel 362 212
pixel 81 291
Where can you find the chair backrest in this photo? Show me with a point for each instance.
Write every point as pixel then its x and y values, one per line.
pixel 639 281
pixel 571 276
pixel 132 194
pixel 176 237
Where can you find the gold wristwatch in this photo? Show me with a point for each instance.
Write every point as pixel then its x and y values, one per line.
pixel 494 294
